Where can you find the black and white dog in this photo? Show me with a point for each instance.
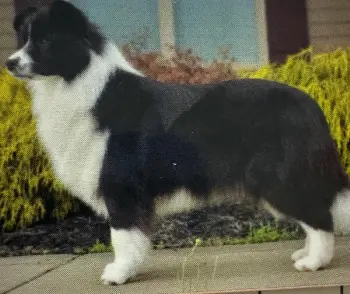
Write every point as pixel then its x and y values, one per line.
pixel 131 147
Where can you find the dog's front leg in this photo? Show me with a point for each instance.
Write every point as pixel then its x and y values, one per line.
pixel 127 216
pixel 130 249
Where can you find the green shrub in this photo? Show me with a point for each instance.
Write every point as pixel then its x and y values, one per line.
pixel 28 190
pixel 326 77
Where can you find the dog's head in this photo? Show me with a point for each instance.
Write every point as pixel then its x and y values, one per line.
pixel 58 41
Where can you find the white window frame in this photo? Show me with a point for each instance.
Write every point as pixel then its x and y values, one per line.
pixel 166 27
pixel 261 25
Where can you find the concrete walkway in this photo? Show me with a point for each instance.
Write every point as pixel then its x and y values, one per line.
pixel 208 270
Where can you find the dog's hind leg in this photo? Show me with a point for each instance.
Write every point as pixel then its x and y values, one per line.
pixel 319 243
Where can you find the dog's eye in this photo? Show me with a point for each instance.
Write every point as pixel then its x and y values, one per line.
pixel 45 42
pixel 45 39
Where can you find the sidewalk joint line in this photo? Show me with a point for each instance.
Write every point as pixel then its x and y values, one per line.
pixel 39 275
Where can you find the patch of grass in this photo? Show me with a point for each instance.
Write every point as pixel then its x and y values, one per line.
pixel 159 245
pixel 99 247
pixel 269 233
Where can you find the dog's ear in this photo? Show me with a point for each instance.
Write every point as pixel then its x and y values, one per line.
pixel 22 16
pixel 65 17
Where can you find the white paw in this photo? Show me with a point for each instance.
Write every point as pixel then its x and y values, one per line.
pixel 309 263
pixel 115 273
pixel 299 254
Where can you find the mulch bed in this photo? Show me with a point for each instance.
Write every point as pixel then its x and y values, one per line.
pixel 176 231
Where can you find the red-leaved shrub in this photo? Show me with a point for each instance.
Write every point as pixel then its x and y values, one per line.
pixel 182 67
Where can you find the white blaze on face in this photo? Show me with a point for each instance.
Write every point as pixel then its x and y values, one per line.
pixel 24 61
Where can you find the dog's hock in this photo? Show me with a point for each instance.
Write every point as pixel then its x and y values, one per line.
pixel 318 251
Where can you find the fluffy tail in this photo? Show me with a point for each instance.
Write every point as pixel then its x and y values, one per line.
pixel 341 213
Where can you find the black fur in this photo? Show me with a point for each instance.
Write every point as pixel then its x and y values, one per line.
pixel 270 137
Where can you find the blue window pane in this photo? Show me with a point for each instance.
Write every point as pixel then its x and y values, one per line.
pixel 206 26
pixel 125 20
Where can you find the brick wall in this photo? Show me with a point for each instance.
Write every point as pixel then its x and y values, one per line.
pixel 329 23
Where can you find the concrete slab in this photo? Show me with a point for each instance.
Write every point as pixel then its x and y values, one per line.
pixel 16 271
pixel 208 270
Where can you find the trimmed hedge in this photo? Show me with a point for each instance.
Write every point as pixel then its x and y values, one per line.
pixel 28 188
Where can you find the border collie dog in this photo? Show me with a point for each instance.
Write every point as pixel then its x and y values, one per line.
pixel 131 147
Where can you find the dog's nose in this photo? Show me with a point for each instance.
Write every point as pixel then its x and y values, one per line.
pixel 12 63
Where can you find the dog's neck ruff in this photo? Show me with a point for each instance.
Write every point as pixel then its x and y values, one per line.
pixel 68 128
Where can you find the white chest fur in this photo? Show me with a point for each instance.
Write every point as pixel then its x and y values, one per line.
pixel 68 132
pixel 67 127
